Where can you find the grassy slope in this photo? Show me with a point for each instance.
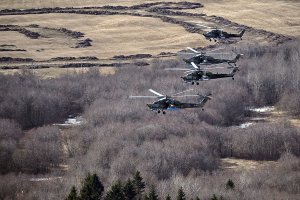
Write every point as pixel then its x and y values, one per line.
pixel 272 15
pixel 111 35
pixel 66 3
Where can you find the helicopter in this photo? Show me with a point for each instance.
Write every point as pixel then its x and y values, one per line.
pixel 166 102
pixel 197 74
pixel 219 34
pixel 202 59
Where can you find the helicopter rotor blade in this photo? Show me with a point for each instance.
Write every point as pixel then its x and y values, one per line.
pixel 216 53
pixel 206 96
pixel 182 92
pixel 193 50
pixel 209 27
pixel 194 65
pixel 200 54
pixel 191 95
pixel 154 92
pixel 209 68
pixel 185 53
pixel 190 71
pixel 177 69
pixel 204 26
pixel 215 49
pixel 133 97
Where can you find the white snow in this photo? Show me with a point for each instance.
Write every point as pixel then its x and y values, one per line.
pixel 262 109
pixel 246 124
pixel 45 179
pixel 72 121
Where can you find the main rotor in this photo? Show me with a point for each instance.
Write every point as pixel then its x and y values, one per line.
pixel 160 96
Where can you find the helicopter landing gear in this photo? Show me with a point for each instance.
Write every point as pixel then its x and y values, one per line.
pixel 232 78
pixel 163 112
pixel 197 83
pixel 202 109
pixel 193 83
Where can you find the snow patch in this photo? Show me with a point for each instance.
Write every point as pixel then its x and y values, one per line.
pixel 72 121
pixel 246 124
pixel 44 179
pixel 262 109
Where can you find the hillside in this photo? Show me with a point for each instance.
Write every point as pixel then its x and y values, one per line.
pixel 69 67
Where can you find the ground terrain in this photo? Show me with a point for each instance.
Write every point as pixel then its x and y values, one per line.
pixel 272 15
pixel 129 34
pixel 138 28
pixel 57 37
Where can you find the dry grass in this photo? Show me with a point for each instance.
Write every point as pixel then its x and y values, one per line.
pixel 65 3
pixel 241 164
pixel 295 122
pixel 126 35
pixel 111 35
pixel 280 116
pixel 54 72
pixel 272 15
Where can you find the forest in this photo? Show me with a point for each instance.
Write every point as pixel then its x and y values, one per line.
pixel 177 152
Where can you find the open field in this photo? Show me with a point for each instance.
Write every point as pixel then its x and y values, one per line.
pixel 111 35
pixel 106 32
pixel 244 165
pixel 272 15
pixel 67 3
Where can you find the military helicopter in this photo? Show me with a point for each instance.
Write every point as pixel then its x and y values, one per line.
pixel 219 34
pixel 166 102
pixel 202 59
pixel 197 74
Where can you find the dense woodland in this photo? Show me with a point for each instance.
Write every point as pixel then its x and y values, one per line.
pixel 120 136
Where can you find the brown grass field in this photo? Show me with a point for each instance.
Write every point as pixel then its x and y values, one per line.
pixel 53 72
pixel 64 3
pixel 242 164
pixel 272 15
pixel 127 35
pixel 111 35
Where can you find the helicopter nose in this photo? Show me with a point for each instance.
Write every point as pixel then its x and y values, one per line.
pixel 149 105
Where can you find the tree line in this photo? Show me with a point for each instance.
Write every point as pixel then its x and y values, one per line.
pixel 132 189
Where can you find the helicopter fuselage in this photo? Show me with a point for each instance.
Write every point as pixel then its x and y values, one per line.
pixel 203 76
pixel 170 104
pixel 206 60
pixel 219 34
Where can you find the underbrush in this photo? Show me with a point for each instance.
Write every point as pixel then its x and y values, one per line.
pixel 121 136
